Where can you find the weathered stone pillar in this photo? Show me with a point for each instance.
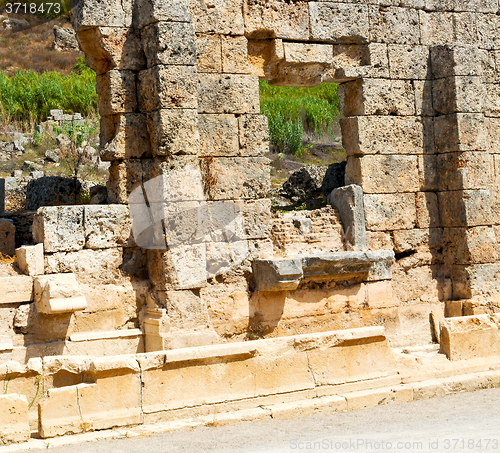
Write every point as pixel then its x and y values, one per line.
pixel 466 169
pixel 180 125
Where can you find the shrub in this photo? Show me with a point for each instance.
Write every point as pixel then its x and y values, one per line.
pixel 27 97
pixel 293 110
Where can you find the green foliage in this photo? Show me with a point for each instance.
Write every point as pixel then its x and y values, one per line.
pixel 285 134
pixel 37 138
pixel 293 110
pixel 27 97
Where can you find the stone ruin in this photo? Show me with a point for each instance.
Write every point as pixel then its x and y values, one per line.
pixel 121 301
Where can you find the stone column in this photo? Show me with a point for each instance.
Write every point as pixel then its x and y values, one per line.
pixel 465 163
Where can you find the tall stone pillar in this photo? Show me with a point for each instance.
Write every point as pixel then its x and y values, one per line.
pixel 180 125
pixel 466 169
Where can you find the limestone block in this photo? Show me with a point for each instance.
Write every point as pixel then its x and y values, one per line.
pixel 382 135
pixel 460 132
pixel 208 53
pixel 253 135
pixel 453 308
pixel 228 93
pixel 423 98
pixel 428 172
pixel 492 100
pixel 462 94
pixel 219 17
pixel 467 337
pixel 173 179
pixel 6 343
pixel 276 18
pixel 58 293
pixel 174 131
pixel 475 280
pixel 408 61
pixel 169 43
pixel 296 409
pixel 14 416
pixel 302 53
pixel 150 11
pixel 339 22
pixel 479 6
pixel 377 240
pixel 111 48
pixel 488 31
pixel 183 267
pixel 475 245
pixel 175 386
pixel 16 289
pixel 7 237
pixel 349 202
pixel 126 137
pixel 97 13
pixel 492 126
pixel 353 55
pixel 390 211
pixel 106 226
pixel 117 92
pixel 186 310
pixel 59 228
pixel 278 274
pixel 114 400
pixel 377 97
pixel 60 413
pixel 427 210
pixel 286 372
pixel 394 25
pixel 376 397
pixel 465 208
pixel 167 87
pixel 466 170
pixel 264 55
pixel 384 173
pixel 304 74
pixel 339 363
pixel 465 28
pixel 218 135
pixel 30 259
pixel 436 28
pixel 189 339
pixel 124 177
pixel 236 177
pixel 342 265
pixel 98 265
pixel 235 55
pixel 463 60
pixel 410 240
pixel 256 217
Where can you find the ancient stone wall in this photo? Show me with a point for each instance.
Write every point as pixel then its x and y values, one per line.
pixel 178 88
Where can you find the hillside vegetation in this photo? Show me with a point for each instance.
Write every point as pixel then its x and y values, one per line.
pixel 27 96
pixel 298 113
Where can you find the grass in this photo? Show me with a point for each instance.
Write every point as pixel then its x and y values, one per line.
pixel 293 111
pixel 26 97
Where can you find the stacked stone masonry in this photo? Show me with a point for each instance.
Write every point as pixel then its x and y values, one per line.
pixel 178 88
pixel 411 243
